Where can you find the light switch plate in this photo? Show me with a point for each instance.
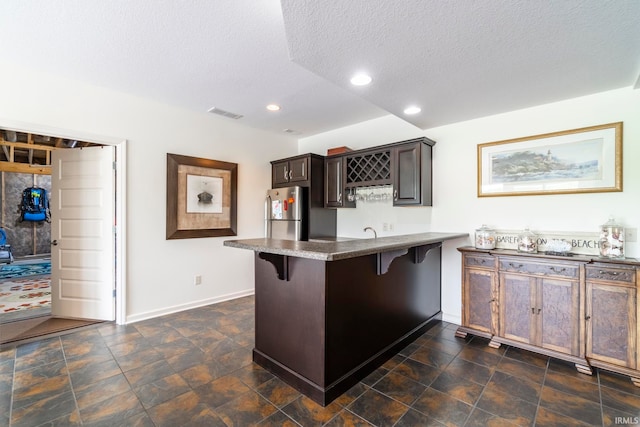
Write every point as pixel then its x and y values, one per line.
pixel 631 234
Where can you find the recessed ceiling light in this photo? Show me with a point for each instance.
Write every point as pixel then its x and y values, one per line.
pixel 361 79
pixel 412 110
pixel 273 107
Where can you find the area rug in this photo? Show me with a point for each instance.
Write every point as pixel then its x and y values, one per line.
pixel 10 271
pixel 25 294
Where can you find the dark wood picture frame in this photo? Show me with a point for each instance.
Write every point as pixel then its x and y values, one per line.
pixel 184 225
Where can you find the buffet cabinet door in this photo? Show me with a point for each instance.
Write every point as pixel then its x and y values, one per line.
pixel 517 307
pixel 611 318
pixel 558 311
pixel 480 300
pixel 540 311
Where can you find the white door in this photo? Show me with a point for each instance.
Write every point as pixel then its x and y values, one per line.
pixel 82 205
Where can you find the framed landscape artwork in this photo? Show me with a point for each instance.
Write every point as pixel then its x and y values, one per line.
pixel 586 160
pixel 201 197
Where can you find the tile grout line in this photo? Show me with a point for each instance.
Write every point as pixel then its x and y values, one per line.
pixel 600 395
pixel 13 384
pixel 475 405
pixel 544 380
pixel 73 390
pixel 115 359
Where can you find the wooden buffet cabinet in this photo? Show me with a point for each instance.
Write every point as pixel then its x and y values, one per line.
pixel 581 309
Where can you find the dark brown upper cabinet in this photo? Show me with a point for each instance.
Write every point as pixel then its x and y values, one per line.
pixel 405 165
pixel 292 171
pixel 306 170
pixel 411 173
pixel 335 192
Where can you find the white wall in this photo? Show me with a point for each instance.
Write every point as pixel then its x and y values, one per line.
pixel 456 206
pixel 160 272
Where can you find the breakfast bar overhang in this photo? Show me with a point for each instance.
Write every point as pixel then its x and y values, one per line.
pixel 328 313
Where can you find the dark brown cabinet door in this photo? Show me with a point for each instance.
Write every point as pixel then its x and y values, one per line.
pixel 611 323
pixel 299 170
pixel 333 182
pixel 479 300
pixel 407 175
pixel 280 174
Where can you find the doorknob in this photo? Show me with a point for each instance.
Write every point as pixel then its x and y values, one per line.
pixel 54 243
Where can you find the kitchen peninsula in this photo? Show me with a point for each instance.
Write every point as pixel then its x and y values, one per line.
pixel 329 312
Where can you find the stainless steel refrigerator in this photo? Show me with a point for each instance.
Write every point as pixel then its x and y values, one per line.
pixel 284 214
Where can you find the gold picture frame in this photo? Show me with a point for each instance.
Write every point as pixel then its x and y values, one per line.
pixel 585 160
pixel 201 197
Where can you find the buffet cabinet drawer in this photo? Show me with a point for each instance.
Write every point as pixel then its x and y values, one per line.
pixel 611 274
pixel 479 261
pixel 517 265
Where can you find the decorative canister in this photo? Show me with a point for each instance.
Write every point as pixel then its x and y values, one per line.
pixel 527 241
pixel 611 240
pixel 485 238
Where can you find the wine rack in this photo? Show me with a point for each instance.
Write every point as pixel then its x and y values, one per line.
pixel 371 168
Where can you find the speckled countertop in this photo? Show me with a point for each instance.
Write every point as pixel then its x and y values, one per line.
pixel 333 250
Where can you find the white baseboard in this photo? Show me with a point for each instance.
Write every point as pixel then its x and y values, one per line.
pixel 182 307
pixel 452 318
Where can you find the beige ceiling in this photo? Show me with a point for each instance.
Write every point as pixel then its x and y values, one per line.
pixel 457 59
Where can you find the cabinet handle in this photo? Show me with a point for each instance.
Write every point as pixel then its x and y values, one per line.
pixel 286 173
pixel 557 270
pixel 587 318
pixel 492 300
pixel 610 273
pixel 512 265
pixel 303 165
pixel 290 173
pixel 533 310
pixel 395 195
pixel 339 197
pixel 539 310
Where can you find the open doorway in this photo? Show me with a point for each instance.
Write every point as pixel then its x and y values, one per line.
pixel 23 153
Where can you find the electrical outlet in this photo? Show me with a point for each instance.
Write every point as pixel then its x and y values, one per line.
pixel 385 226
pixel 391 226
pixel 197 280
pixel 631 234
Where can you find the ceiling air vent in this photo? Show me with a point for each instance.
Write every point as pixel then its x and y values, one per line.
pixel 224 113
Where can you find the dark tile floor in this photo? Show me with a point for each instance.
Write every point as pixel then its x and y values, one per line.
pixel 194 368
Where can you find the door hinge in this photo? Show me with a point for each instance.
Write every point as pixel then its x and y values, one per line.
pixel 114 293
pixel 115 165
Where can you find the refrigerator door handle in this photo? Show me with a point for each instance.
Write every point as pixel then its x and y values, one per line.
pixel 267 217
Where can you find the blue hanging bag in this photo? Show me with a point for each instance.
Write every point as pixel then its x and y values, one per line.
pixel 35 205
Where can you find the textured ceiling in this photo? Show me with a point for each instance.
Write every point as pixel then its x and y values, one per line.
pixel 458 60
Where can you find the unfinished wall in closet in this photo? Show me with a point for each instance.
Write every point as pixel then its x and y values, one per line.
pixel 26 238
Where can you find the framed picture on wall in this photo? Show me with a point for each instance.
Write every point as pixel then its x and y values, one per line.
pixel 201 197
pixel 586 160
